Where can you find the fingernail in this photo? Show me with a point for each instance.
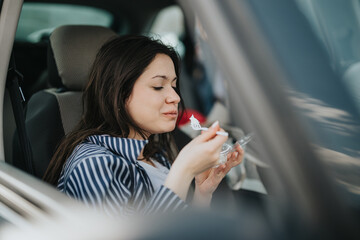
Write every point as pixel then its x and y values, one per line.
pixel 215 124
pixel 222 133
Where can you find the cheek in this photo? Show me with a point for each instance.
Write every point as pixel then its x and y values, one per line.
pixel 131 105
pixel 150 99
pixel 128 103
pixel 144 107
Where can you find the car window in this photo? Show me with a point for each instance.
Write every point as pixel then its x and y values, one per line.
pixel 314 85
pixel 37 20
pixel 336 24
pixel 168 25
pixel 315 53
pixel 340 37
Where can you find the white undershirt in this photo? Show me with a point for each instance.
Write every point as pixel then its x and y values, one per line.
pixel 156 174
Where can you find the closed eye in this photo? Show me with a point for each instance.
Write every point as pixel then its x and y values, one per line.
pixel 157 88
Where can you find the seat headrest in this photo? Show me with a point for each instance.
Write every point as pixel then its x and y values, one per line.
pixel 74 48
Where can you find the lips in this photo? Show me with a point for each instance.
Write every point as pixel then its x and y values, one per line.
pixel 171 113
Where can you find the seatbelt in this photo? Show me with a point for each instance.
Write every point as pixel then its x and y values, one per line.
pixel 17 101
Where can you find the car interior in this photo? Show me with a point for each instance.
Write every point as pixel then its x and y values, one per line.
pixel 31 56
pixel 37 63
pixel 56 42
pixel 55 63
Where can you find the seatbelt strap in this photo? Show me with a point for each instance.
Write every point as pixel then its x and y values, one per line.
pixel 17 101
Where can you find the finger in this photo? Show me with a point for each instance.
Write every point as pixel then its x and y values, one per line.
pixel 221 130
pixel 228 167
pixel 238 158
pixel 231 156
pixel 209 134
pixel 216 142
pixel 219 171
pixel 239 149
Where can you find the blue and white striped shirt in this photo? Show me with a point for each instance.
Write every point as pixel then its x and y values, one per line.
pixel 104 172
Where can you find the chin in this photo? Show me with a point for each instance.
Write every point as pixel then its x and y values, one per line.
pixel 167 129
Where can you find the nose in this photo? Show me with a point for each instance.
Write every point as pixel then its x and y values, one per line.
pixel 172 96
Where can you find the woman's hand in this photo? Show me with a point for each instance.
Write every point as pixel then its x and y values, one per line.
pixel 207 181
pixel 202 152
pixel 197 156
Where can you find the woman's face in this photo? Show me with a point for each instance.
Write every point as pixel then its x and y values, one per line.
pixel 153 102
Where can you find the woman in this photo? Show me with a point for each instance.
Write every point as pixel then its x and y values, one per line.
pixel 119 158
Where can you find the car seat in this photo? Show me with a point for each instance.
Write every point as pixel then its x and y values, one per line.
pixel 52 113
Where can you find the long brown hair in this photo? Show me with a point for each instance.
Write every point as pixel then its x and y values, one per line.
pixel 118 64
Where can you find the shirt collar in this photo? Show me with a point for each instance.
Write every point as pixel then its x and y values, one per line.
pixel 126 147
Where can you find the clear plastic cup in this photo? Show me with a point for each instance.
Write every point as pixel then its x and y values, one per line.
pixel 225 150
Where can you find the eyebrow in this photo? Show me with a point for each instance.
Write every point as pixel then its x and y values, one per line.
pixel 163 77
